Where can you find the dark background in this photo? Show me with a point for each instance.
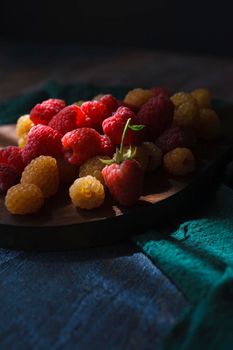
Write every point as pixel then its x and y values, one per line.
pixel 188 26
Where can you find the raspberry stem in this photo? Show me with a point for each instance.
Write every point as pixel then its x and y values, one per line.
pixel 119 155
pixel 123 138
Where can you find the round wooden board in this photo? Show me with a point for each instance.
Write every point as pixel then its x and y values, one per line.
pixel 59 226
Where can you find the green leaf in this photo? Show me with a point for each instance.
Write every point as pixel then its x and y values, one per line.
pixel 117 156
pixel 106 161
pixel 134 151
pixel 136 127
pixel 128 154
pixel 123 136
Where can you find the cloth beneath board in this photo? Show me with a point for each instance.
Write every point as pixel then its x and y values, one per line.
pixel 100 298
pixel 198 258
pixel 11 109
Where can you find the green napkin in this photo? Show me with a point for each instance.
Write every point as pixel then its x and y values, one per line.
pixel 198 258
pixel 11 109
pixel 209 324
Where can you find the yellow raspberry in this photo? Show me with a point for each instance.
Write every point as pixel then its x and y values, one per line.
pixel 87 192
pixel 93 167
pixel 67 172
pixel 98 97
pixel 24 199
pixel 23 125
pixel 203 97
pixel 180 97
pixel 180 161
pixel 137 97
pixel 139 154
pixel 42 172
pixel 79 103
pixel 186 109
pixel 22 141
pixel 154 155
pixel 208 124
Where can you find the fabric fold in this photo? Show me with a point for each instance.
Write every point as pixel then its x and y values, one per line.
pixel 13 108
pixel 198 258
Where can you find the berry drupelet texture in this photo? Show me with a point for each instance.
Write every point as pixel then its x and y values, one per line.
pixel 65 120
pixel 154 155
pixel 124 181
pixel 43 112
pixel 87 193
pixel 42 172
pixel 24 199
pixel 113 127
pixel 8 177
pixel 203 98
pixel 42 140
pixel 93 167
pixel 137 97
pixel 186 110
pixel 23 126
pixel 176 137
pixel 180 161
pixel 81 144
pixel 156 115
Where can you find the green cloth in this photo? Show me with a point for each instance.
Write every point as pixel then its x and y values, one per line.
pixel 198 258
pixel 14 107
pixel 210 324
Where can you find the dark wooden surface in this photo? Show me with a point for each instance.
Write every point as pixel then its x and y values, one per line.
pixel 106 298
pixel 25 67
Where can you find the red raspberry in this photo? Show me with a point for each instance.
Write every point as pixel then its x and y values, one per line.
pixel 124 181
pixel 42 141
pixel 160 91
pixel 106 146
pixel 43 112
pixel 12 156
pixel 110 103
pixel 114 126
pixel 94 112
pixel 124 104
pixel 175 137
pixel 65 120
pixel 81 144
pixel 8 177
pixel 157 115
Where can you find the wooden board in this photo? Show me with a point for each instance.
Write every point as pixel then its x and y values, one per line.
pixel 59 226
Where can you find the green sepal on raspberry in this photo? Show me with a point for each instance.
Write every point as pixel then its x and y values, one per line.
pixel 114 126
pixel 120 155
